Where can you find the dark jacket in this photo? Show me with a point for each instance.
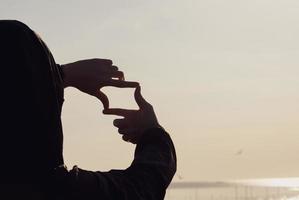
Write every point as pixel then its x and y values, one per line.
pixel 148 176
pixel 31 142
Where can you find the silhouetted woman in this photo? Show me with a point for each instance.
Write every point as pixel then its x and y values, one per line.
pixel 31 142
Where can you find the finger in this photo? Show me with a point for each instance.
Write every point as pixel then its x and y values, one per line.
pixel 130 136
pixel 121 84
pixel 118 111
pixel 120 123
pixel 122 131
pixel 128 131
pixel 106 67
pixel 113 68
pixel 105 61
pixel 118 74
pixel 100 61
pixel 103 98
pixel 139 98
pixel 126 138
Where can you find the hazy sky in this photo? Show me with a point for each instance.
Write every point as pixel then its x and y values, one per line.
pixel 222 76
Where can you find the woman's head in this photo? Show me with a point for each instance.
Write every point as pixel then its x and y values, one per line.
pixel 31 101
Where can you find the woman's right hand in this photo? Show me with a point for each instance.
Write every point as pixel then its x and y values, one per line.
pixel 134 122
pixel 89 76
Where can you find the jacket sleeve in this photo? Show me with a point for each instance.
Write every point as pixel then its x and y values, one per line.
pixel 148 176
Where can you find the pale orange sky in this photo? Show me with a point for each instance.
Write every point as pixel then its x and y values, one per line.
pixel 222 76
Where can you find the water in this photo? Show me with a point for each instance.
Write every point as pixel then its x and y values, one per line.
pixel 262 189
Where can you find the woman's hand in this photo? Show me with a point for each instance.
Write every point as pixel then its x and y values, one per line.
pixel 134 122
pixel 89 76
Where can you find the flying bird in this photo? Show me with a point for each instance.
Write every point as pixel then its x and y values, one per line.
pixel 240 152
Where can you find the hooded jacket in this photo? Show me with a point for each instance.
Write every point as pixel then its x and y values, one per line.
pixel 31 141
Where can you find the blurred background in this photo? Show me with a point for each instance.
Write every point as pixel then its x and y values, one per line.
pixel 221 75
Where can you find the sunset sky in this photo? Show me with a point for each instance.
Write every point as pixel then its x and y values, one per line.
pixel 222 75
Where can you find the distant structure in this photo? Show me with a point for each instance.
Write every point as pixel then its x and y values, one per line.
pixel 228 191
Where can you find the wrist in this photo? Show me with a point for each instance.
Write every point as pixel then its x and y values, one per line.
pixel 149 129
pixel 152 132
pixel 67 75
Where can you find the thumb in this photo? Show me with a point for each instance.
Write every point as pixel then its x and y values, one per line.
pixel 141 102
pixel 103 98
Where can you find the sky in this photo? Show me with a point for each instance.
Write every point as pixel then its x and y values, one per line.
pixel 221 75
